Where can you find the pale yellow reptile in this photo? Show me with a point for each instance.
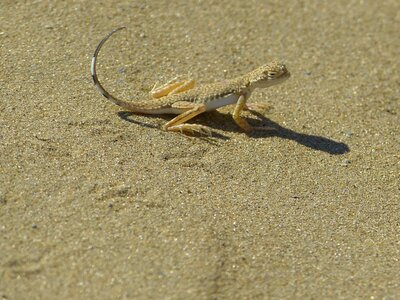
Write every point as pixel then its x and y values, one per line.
pixel 187 100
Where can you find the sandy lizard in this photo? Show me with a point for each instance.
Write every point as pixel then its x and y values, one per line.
pixel 187 100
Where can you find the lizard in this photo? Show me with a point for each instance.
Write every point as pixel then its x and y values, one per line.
pixel 186 100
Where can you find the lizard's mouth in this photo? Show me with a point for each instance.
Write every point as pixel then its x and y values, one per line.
pixel 283 77
pixel 286 75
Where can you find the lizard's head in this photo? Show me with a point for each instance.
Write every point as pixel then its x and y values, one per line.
pixel 270 74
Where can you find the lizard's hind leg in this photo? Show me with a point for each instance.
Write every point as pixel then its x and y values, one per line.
pixel 177 123
pixel 172 87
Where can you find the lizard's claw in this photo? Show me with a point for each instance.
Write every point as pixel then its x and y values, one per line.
pixel 257 106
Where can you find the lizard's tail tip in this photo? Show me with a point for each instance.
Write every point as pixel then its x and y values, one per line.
pixel 119 28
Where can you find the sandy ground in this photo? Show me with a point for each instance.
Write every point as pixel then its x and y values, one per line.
pixel 98 203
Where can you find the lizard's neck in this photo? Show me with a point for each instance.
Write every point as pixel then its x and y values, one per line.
pixel 244 83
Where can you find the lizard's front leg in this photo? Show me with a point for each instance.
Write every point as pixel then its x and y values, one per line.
pixel 240 105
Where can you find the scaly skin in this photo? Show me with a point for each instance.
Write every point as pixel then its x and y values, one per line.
pixel 187 100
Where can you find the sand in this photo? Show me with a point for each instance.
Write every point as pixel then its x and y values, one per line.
pixel 98 203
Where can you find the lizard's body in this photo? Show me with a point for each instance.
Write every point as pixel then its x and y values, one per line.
pixel 187 100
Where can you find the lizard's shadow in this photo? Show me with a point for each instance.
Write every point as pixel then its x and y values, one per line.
pixel 125 115
pixel 218 120
pixel 315 142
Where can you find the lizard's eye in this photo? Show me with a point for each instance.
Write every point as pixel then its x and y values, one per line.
pixel 271 74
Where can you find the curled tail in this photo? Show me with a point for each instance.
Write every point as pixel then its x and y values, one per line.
pixel 96 82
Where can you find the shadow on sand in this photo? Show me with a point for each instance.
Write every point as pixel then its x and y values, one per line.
pixel 220 121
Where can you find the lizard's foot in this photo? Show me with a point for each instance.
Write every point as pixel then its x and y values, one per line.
pixel 243 124
pixel 171 87
pixel 191 129
pixel 257 106
pixel 160 87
